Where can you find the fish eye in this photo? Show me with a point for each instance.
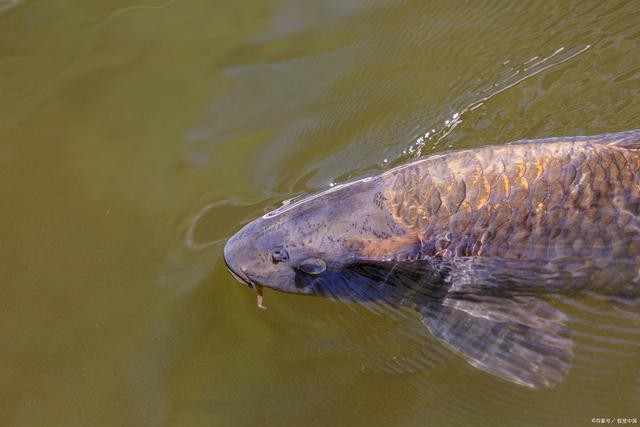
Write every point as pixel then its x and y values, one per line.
pixel 279 255
pixel 313 266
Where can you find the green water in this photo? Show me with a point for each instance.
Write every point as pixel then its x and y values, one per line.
pixel 137 135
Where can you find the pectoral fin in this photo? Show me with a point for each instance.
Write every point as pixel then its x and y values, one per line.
pixel 520 339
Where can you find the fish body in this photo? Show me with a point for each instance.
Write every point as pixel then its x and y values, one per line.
pixel 473 240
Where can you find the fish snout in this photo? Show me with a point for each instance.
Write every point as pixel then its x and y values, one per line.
pixel 235 252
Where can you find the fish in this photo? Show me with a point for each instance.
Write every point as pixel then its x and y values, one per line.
pixel 475 242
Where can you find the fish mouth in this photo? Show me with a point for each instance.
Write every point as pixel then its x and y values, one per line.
pixel 244 279
pixel 240 277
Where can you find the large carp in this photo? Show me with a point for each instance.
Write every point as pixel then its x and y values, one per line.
pixel 476 241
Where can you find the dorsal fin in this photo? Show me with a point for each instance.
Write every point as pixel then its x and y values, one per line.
pixel 629 139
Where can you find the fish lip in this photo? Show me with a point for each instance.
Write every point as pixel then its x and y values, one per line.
pixel 240 277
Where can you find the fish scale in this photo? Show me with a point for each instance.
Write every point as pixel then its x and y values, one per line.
pixel 554 192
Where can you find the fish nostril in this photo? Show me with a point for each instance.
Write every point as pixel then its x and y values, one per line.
pixel 279 255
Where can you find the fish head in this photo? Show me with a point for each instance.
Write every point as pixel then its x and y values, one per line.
pixel 304 246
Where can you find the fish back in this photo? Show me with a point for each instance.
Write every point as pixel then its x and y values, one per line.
pixel 532 199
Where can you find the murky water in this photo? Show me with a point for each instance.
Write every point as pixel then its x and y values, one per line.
pixel 136 136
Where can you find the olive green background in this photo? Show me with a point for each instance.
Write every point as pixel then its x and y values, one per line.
pixel 137 135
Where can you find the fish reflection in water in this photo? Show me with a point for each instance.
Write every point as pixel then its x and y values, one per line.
pixel 477 242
